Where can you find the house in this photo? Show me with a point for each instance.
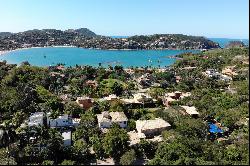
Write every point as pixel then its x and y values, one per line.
pixel 60 67
pixel 140 99
pixel 149 128
pixel 60 121
pixel 145 80
pixel 91 83
pixel 67 138
pixel 174 96
pixel 177 79
pixel 225 78
pixel 111 97
pixel 191 111
pixel 65 97
pixel 76 121
pixel 143 98
pixel 106 119
pixel 84 102
pixel 37 119
pixel 129 71
pixel 229 70
pixel 212 73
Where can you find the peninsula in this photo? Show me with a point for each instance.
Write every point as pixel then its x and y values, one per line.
pixel 85 38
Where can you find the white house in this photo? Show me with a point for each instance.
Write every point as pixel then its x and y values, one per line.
pixel 36 119
pixel 106 119
pixel 60 121
pixel 67 141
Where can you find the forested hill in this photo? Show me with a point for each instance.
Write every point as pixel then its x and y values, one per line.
pixel 85 38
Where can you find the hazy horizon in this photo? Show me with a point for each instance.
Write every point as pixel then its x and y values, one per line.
pixel 211 19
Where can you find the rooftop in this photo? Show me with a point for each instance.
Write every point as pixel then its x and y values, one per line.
pixel 190 110
pixel 152 124
pixel 111 116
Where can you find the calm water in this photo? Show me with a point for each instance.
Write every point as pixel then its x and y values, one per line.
pixel 80 56
pixel 224 41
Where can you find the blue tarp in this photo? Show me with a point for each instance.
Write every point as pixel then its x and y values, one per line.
pixel 214 129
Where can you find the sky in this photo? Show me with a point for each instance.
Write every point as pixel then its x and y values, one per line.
pixel 209 18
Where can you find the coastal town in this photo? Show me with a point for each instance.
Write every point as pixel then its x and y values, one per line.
pixel 138 115
pixel 85 38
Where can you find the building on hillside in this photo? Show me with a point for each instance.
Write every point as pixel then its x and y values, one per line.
pixel 76 121
pixel 84 102
pixel 111 97
pixel 92 83
pixel 191 111
pixel 37 119
pixel 212 73
pixel 177 79
pixel 106 119
pixel 229 70
pixel 60 121
pixel 174 96
pixel 67 138
pixel 225 78
pixel 150 128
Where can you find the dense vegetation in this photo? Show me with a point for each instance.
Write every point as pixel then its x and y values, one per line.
pixel 26 89
pixel 88 39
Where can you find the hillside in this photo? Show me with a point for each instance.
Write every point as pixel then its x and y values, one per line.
pixel 85 38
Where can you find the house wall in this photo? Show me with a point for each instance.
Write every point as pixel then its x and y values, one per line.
pixel 104 124
pixel 59 122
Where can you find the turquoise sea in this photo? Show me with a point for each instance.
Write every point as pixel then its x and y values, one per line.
pixel 71 56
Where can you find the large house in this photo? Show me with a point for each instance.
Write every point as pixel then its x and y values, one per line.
pixel 106 119
pixel 149 128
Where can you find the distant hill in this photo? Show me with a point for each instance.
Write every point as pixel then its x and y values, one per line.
pixel 85 38
pixel 5 34
pixel 85 32
pixel 235 44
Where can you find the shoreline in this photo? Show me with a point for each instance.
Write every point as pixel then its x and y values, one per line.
pixel 26 48
pixel 8 51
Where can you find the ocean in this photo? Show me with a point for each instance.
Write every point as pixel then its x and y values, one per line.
pixel 70 56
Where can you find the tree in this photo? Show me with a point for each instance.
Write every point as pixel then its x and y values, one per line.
pixel 68 162
pixel 174 153
pixel 87 127
pixel 115 141
pixel 96 142
pixel 48 162
pixel 117 89
pixel 73 109
pixel 80 150
pixel 128 158
pixel 54 145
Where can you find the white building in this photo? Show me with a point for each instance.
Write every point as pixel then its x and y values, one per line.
pixel 60 121
pixel 67 140
pixel 106 119
pixel 36 119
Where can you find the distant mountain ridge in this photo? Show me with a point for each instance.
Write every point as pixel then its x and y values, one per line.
pixel 85 38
